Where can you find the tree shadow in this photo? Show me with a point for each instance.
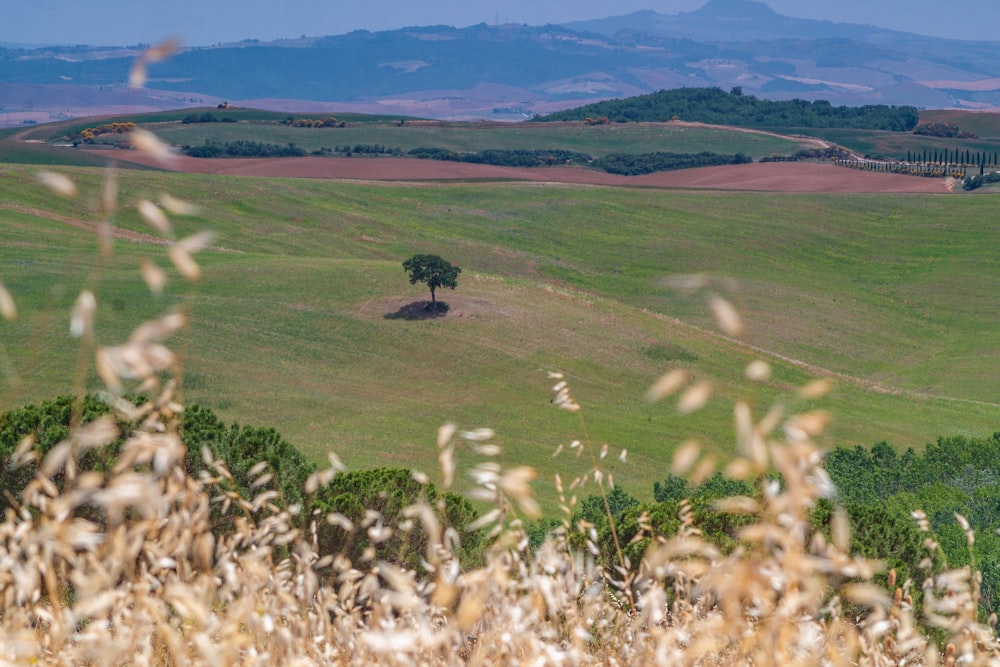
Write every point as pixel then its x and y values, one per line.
pixel 419 310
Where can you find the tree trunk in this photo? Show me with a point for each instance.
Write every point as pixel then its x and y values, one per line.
pixel 433 302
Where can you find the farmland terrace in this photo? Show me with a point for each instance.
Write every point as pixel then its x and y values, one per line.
pixel 766 177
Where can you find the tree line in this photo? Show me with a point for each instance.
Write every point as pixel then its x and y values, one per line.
pixel 206 117
pixel 329 121
pixel 879 489
pixel 242 148
pixel 360 149
pixel 627 164
pixel 716 106
pixel 946 156
pixel 240 449
pixel 501 157
pixel 646 163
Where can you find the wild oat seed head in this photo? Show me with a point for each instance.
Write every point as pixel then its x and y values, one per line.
pixel 59 183
pixel 477 435
pixel 177 206
pixel 196 242
pixel 694 398
pixel 82 321
pixel 445 434
pixel 7 308
pixel 816 389
pixel 147 142
pixel 668 384
pixel 758 371
pixel 705 469
pixel 154 277
pixel 726 316
pixel 690 282
pixel 685 457
pixel 109 192
pixel 155 217
pixel 139 72
pixel 184 263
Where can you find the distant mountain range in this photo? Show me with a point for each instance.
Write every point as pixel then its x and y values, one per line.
pixel 509 72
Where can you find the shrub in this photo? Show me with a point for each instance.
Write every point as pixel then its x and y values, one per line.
pixel 647 163
pixel 942 130
pixel 243 148
pixel 387 492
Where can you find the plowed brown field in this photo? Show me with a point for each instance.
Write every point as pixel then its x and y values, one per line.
pixel 768 177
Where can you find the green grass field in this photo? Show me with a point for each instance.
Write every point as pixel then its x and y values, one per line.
pixel 266 127
pixel 51 131
pixel 593 140
pixel 984 124
pixel 297 322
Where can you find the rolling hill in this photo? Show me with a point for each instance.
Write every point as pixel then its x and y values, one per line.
pixel 304 320
pixel 510 72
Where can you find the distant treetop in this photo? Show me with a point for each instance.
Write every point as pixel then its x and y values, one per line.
pixel 716 106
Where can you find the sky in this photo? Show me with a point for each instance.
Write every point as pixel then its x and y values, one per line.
pixel 204 22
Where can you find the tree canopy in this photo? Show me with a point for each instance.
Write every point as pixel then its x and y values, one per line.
pixel 433 271
pixel 714 105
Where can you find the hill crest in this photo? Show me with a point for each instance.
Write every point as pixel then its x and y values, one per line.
pixel 509 72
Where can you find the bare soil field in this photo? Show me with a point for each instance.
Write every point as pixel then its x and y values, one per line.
pixel 766 177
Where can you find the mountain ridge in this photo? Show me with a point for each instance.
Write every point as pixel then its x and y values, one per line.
pixel 513 71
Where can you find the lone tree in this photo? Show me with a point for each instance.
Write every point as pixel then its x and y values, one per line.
pixel 434 271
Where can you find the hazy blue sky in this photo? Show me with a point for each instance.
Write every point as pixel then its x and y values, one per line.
pixel 198 22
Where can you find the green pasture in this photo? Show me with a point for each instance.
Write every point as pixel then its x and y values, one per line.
pixel 986 124
pixel 879 143
pixel 266 127
pixel 53 131
pixel 594 140
pixel 21 152
pixel 301 319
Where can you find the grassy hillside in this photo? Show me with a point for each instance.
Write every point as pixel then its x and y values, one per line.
pixel 594 140
pixel 266 127
pixel 986 124
pixel 50 131
pixel 300 320
pixel 896 144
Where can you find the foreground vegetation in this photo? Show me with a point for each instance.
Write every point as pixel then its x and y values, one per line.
pixel 128 566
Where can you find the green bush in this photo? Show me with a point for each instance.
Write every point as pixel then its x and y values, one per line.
pixel 241 448
pixel 627 164
pixel 376 498
pixel 48 423
pixel 242 148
